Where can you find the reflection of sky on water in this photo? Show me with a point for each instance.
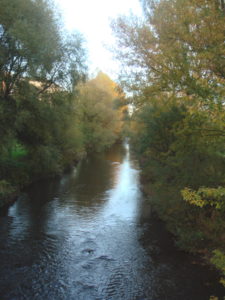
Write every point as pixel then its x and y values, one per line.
pixel 124 196
pixel 19 222
pixel 95 189
pixel 89 235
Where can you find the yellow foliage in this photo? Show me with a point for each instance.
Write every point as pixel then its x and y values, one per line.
pixel 192 197
pixel 101 121
pixel 205 196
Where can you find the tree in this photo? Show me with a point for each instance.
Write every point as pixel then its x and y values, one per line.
pixel 178 48
pixel 101 122
pixel 174 65
pixel 40 65
pixel 33 48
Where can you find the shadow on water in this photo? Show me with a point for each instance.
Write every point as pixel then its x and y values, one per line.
pixel 91 235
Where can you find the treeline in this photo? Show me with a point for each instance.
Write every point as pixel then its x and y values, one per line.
pixel 50 114
pixel 175 58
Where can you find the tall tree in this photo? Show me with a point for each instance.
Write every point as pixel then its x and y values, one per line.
pixel 39 67
pixel 174 61
pixel 178 47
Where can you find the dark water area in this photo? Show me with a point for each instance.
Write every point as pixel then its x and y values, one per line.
pixel 91 235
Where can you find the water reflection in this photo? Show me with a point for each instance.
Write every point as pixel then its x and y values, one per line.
pixel 90 235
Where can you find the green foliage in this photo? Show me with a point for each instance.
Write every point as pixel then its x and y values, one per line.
pixel 18 151
pixel 218 259
pixel 44 161
pixel 33 47
pixel 174 59
pixel 40 66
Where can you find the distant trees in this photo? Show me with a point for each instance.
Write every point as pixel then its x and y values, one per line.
pixel 175 62
pixel 101 120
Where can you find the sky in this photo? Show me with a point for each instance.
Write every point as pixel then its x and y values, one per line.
pixel 92 19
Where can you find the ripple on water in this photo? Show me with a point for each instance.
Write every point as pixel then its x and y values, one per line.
pixel 90 237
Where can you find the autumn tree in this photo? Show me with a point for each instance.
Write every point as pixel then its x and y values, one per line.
pixel 174 64
pixel 100 118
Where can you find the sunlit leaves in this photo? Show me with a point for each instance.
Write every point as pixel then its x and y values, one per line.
pixel 205 196
pixel 100 121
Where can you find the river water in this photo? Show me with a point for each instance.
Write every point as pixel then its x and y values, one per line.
pixel 91 235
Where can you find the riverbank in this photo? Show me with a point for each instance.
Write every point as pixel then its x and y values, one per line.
pixel 9 193
pixel 184 233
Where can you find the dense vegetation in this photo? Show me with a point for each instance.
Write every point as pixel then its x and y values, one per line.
pixel 175 66
pixel 48 118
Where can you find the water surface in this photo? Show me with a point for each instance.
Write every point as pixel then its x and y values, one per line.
pixel 91 235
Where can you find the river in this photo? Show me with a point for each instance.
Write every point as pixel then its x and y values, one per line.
pixel 90 235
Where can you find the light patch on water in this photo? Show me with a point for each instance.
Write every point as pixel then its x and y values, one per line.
pixel 20 221
pixel 123 199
